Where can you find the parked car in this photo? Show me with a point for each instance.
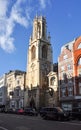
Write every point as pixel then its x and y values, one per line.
pixel 76 113
pixel 30 111
pixel 20 111
pixel 2 108
pixel 42 111
pixel 9 110
pixel 55 113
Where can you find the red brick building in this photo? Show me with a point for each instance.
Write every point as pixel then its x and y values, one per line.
pixel 69 70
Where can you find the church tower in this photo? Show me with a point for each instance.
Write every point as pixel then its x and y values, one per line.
pixel 39 62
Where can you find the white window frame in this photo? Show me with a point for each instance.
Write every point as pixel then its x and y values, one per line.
pixel 70 92
pixel 69 66
pixel 65 57
pixel 63 92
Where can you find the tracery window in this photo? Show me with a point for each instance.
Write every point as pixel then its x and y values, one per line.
pixel 33 52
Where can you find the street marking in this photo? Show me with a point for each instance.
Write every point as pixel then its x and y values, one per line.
pixel 73 123
pixel 3 128
pixel 15 116
pixel 22 128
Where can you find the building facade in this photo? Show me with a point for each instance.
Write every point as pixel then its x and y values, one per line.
pixel 77 69
pixel 39 62
pixel 69 70
pixel 3 91
pixel 15 89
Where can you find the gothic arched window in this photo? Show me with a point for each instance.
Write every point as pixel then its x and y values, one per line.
pixel 44 51
pixel 33 52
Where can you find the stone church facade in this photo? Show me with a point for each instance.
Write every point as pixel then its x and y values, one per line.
pixel 39 64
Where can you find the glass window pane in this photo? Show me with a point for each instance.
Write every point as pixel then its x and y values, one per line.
pixel 79 61
pixel 79 46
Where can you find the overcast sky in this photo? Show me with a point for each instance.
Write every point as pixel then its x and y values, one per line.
pixel 16 16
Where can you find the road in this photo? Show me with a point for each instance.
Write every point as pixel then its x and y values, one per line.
pixel 21 122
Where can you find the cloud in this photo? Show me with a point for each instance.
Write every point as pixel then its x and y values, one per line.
pixel 7 23
pixel 12 13
pixel 3 7
pixel 69 15
pixel 44 3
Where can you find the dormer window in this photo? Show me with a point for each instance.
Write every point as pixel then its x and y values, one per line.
pixel 67 47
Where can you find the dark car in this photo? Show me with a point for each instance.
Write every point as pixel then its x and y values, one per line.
pixel 30 111
pixel 55 113
pixel 9 110
pixel 42 111
pixel 76 113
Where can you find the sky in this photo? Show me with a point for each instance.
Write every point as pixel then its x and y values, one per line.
pixel 16 17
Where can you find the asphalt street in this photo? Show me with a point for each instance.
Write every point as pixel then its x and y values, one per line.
pixel 21 122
